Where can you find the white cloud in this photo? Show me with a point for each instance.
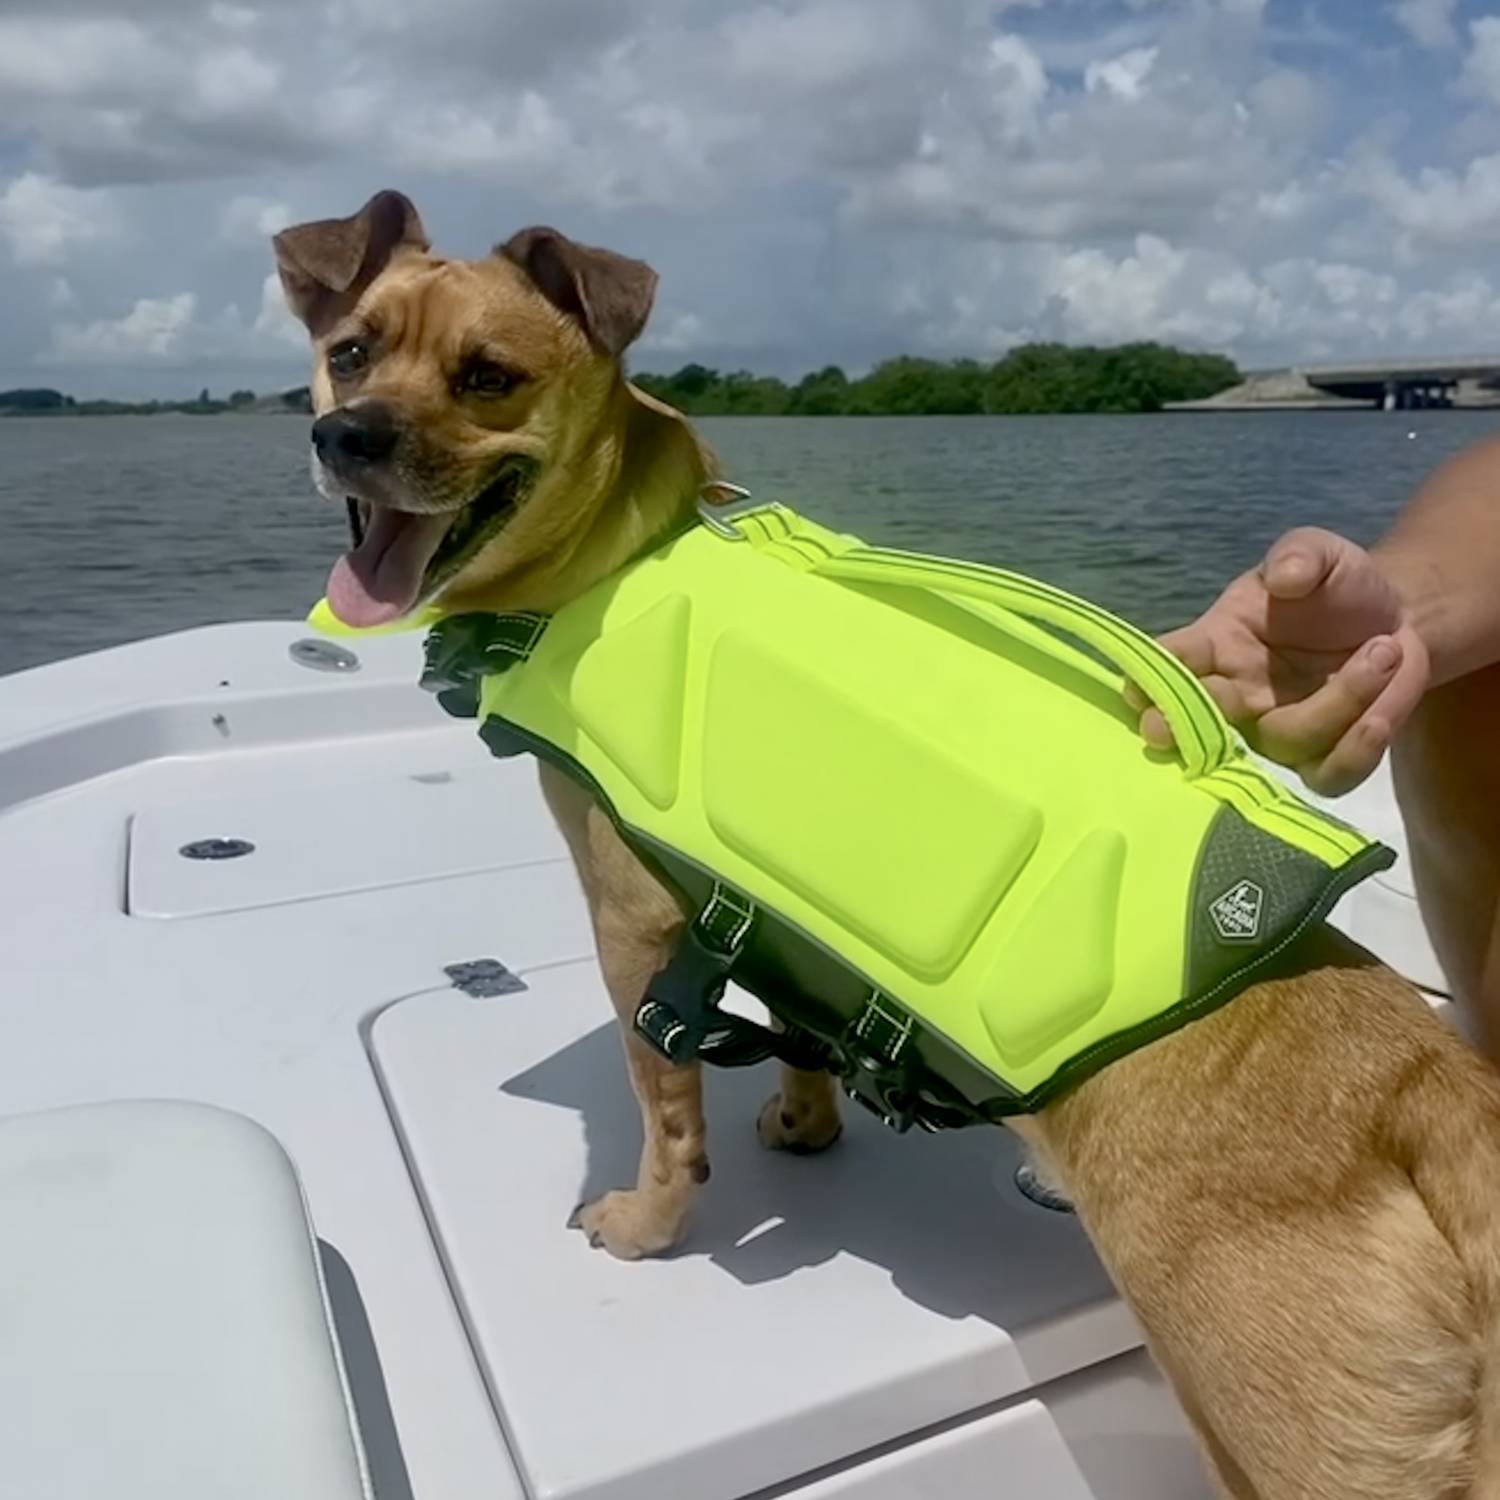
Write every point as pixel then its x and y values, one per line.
pixel 153 329
pixel 1012 85
pixel 114 99
pixel 829 44
pixel 1355 288
pixel 1102 299
pixel 233 17
pixel 274 320
pixel 232 80
pixel 1284 204
pixel 1428 22
pixel 1286 106
pixel 1462 314
pixel 818 179
pixel 978 302
pixel 1176 136
pixel 63 57
pixel 679 335
pixel 251 219
pixel 1123 76
pixel 1436 206
pixel 43 219
pixel 175 331
pixel 1481 76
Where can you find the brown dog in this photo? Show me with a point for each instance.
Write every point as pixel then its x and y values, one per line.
pixel 1299 1194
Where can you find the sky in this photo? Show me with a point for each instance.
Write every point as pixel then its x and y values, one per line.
pixel 817 181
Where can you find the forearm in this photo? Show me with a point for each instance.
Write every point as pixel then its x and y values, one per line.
pixel 1443 555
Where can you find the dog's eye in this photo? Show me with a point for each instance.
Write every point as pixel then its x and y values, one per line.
pixel 485 378
pixel 346 360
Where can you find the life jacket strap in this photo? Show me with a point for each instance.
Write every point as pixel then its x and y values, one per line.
pixel 879 1064
pixel 462 650
pixel 680 1016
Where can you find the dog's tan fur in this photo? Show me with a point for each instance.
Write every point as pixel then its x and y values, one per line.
pixel 1298 1194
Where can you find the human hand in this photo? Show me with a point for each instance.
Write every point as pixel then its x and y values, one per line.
pixel 1313 656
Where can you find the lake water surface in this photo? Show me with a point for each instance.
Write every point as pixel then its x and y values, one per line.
pixel 113 528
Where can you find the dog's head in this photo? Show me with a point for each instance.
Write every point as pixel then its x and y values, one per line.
pixel 444 389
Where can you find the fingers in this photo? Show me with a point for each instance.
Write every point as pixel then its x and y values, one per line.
pixel 1304 732
pixel 1154 730
pixel 1351 761
pixel 1300 562
pixel 1360 749
pixel 1193 646
pixel 1154 727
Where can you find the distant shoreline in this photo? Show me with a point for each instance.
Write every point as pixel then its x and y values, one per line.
pixel 42 401
pixel 1195 408
pixel 120 408
pixel 1032 380
pixel 125 409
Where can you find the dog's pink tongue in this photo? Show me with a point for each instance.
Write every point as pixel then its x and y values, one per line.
pixel 380 580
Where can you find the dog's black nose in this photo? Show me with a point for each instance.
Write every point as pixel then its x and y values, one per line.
pixel 363 434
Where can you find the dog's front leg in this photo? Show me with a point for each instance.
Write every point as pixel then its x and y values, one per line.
pixel 636 926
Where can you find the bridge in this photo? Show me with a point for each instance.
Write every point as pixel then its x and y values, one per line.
pixel 1404 385
pixel 1353 385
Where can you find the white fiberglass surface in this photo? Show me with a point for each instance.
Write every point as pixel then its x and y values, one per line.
pixel 820 1307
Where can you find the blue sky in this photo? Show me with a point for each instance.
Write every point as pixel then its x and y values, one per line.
pixel 816 180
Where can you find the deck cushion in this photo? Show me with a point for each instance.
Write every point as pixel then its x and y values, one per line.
pixel 162 1316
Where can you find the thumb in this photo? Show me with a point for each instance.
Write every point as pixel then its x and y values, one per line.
pixel 1300 562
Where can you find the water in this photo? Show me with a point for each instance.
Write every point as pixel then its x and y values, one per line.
pixel 113 528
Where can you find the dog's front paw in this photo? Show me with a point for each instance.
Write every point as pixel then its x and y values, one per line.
pixel 801 1126
pixel 630 1225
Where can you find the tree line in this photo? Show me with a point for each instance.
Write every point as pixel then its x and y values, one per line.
pixel 43 401
pixel 1034 378
pixel 1031 379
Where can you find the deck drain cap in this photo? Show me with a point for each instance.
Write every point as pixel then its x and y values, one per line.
pixel 323 656
pixel 217 849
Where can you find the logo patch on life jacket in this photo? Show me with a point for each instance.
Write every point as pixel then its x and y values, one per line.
pixel 1236 914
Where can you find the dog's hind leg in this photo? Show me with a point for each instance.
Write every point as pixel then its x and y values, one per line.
pixel 636 927
pixel 1326 1345
pixel 803 1118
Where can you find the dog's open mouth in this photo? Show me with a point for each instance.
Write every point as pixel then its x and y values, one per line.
pixel 400 558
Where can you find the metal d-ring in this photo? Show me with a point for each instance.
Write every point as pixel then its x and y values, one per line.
pixel 719 516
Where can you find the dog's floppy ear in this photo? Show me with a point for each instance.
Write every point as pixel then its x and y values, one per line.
pixel 609 295
pixel 326 265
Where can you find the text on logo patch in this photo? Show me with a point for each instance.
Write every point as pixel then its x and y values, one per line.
pixel 1236 914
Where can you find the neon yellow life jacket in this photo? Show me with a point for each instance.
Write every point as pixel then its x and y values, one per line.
pixel 913 819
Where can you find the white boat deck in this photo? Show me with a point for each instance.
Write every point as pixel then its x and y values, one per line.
pixel 889 1321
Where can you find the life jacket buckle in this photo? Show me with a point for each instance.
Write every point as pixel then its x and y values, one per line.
pixel 462 650
pixel 681 1008
pixel 888 1098
pixel 682 1002
pixel 877 1070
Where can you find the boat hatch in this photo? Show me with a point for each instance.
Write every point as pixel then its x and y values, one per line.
pixel 820 1307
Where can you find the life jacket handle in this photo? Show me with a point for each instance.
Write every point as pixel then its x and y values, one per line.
pixel 1203 737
